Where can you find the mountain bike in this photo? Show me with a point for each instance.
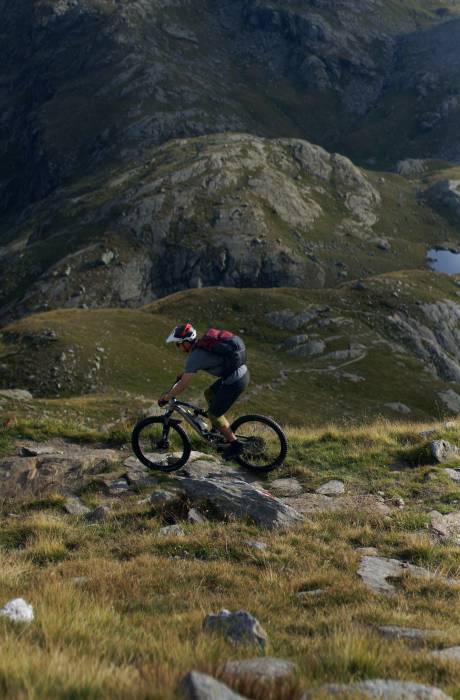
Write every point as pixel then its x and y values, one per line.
pixel 160 442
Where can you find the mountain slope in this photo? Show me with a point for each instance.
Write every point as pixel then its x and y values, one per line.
pixel 231 210
pixel 88 83
pixel 348 353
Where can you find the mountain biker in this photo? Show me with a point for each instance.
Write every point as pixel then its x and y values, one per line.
pixel 224 392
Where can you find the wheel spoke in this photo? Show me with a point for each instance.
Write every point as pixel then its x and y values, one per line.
pixel 261 442
pixel 159 448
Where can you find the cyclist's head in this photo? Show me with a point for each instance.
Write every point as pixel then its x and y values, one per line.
pixel 183 336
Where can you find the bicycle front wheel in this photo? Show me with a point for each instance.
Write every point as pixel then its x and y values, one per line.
pixel 160 445
pixel 265 444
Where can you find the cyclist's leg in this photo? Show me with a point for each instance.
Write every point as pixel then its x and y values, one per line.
pixel 222 398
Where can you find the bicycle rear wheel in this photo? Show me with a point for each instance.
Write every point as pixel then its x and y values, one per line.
pixel 265 444
pixel 160 445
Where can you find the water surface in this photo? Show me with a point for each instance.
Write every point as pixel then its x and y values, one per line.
pixel 441 260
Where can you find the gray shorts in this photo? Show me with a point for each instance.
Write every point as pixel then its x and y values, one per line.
pixel 222 396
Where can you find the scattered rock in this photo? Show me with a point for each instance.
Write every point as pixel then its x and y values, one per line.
pixel 118 486
pixel 18 610
pixel 428 433
pixel 453 474
pixel 314 593
pixel 398 407
pixel 313 503
pixel 172 531
pixel 159 499
pixel 194 517
pixel 447 526
pixel 309 349
pixel 375 571
pixel 286 487
pixel 107 257
pixel 262 668
pixel 16 394
pixel 411 167
pixel 38 450
pixel 449 654
pixel 450 399
pixel 443 451
pixel 140 479
pixel 234 497
pixel 331 488
pixel 74 506
pixel 367 551
pixel 238 627
pixel 98 515
pixel 255 544
pixel 198 686
pixel 381 689
pixel 408 633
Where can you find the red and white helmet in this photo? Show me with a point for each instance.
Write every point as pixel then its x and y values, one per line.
pixel 182 333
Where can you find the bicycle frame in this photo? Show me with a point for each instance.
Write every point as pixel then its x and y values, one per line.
pixel 181 407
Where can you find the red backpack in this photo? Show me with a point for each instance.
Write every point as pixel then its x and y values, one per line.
pixel 225 344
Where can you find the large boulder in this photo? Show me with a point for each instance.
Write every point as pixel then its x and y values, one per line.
pixel 232 497
pixel 443 451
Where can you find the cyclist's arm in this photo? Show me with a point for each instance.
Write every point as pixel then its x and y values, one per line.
pixel 179 387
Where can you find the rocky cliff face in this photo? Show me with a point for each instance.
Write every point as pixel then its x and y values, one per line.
pixel 230 210
pixel 88 83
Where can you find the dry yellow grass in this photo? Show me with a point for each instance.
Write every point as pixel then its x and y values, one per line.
pixel 133 626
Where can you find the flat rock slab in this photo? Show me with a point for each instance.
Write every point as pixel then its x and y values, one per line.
pixel 410 634
pixel 65 468
pixel 286 487
pixel 446 526
pixel 453 474
pixel 443 451
pixel 132 461
pixel 309 503
pixel 16 394
pixel 74 506
pixel 39 449
pixel 449 654
pixel 262 668
pixel 332 488
pixel 375 571
pixel 381 689
pixel 238 627
pixel 198 686
pixel 236 498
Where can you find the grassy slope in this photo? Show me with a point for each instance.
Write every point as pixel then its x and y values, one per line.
pixel 135 359
pixel 134 626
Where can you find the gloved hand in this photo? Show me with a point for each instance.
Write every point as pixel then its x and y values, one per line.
pixel 162 402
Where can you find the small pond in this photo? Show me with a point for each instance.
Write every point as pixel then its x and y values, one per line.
pixel 442 260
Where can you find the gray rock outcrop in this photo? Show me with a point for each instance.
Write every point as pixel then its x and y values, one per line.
pixel 199 686
pixel 232 497
pixel 375 571
pixel 444 451
pixel 381 690
pixel 238 627
pixel 262 668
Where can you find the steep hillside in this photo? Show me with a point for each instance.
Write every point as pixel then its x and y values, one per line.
pixel 388 346
pixel 231 210
pixel 89 83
